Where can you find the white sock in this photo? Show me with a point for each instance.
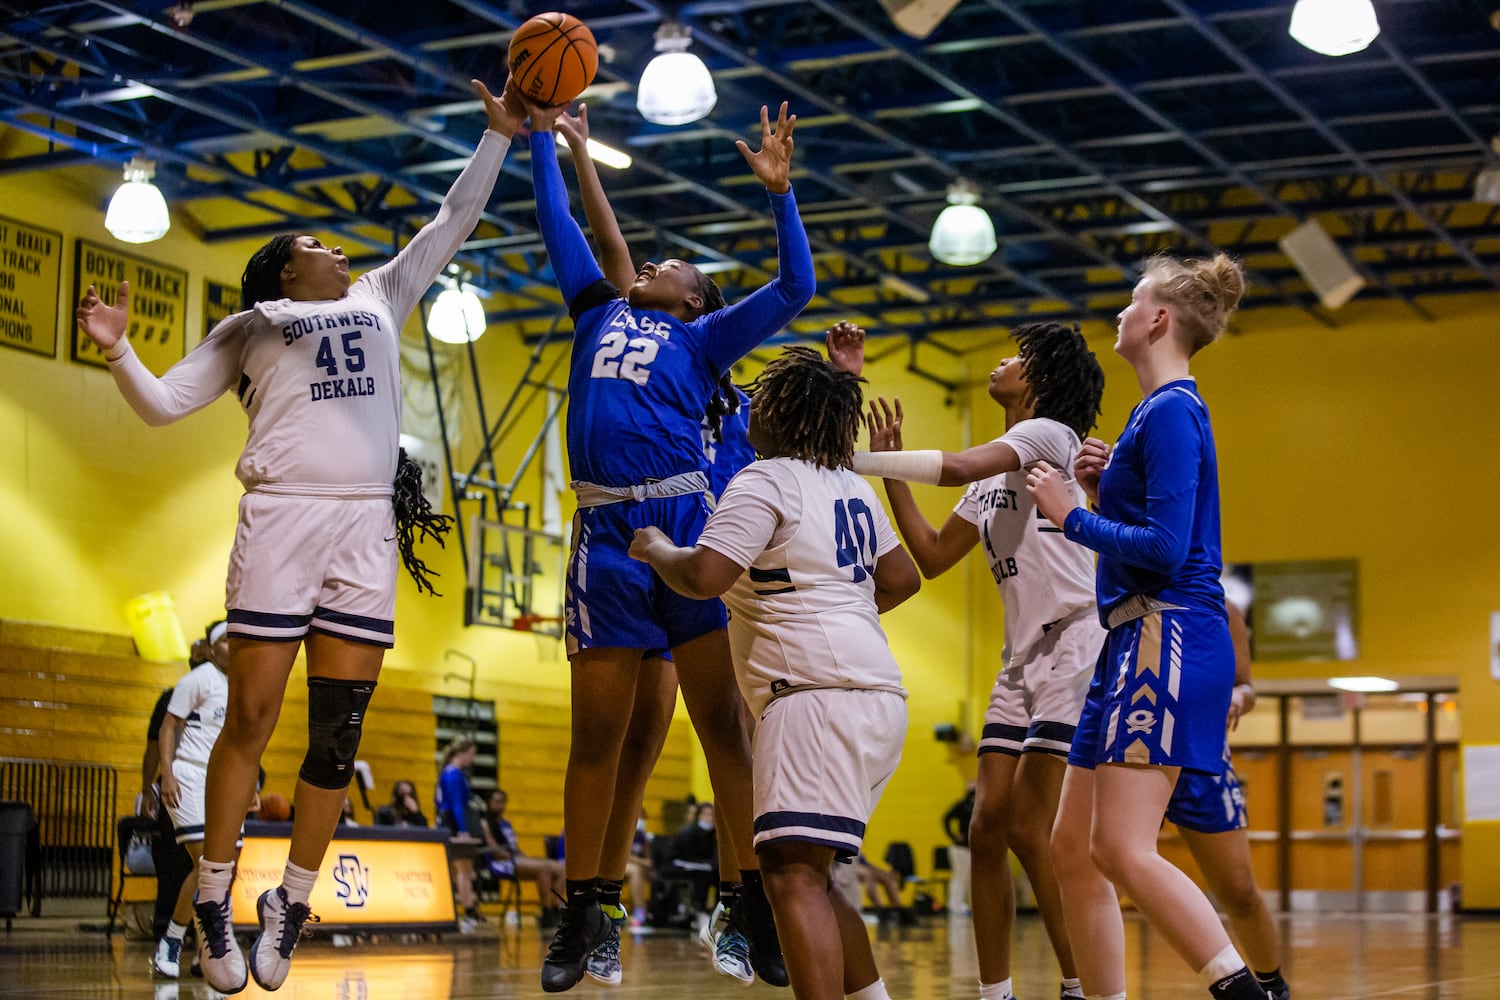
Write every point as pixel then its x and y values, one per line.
pixel 1106 996
pixel 1072 988
pixel 176 931
pixel 875 991
pixel 1225 963
pixel 214 878
pixel 298 883
pixel 995 991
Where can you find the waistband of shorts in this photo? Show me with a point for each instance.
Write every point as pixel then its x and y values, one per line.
pixel 894 689
pixel 323 491
pixel 682 484
pixel 1138 606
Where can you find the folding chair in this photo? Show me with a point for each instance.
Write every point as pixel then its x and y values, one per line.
pixel 133 836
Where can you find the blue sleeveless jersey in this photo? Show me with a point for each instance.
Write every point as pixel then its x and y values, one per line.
pixel 641 379
pixel 1157 529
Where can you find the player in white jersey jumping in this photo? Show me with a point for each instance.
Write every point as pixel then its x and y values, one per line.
pixel 314 363
pixel 195 716
pixel 804 556
pixel 1050 392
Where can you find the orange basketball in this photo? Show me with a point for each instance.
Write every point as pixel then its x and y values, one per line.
pixel 553 57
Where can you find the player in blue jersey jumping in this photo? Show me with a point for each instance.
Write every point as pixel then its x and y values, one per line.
pixel 645 365
pixel 1162 686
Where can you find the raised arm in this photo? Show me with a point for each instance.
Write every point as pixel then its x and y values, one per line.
pixel 934 551
pixel 404 280
pixel 930 466
pixel 738 329
pixel 613 250
pixel 206 373
pixel 573 265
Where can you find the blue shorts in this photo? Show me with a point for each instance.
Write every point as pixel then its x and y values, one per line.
pixel 616 601
pixel 1160 694
pixel 1209 803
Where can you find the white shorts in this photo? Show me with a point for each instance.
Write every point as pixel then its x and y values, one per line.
pixel 312 563
pixel 187 815
pixel 821 760
pixel 1038 697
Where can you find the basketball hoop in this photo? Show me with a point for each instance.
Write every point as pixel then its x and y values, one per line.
pixel 540 624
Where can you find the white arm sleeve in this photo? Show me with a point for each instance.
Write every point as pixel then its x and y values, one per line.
pixel 403 281
pixel 911 466
pixel 208 371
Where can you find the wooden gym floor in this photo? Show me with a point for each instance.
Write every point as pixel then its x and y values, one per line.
pixel 1330 957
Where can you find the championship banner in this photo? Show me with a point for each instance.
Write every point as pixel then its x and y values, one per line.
pixel 220 301
pixel 371 877
pixel 30 278
pixel 158 304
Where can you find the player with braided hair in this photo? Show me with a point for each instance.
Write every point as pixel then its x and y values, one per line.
pixel 313 360
pixel 1050 391
pixel 646 361
pixel 804 556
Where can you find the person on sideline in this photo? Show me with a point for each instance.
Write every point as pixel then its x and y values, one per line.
pixel 313 361
pixel 170 859
pixel 1162 686
pixel 645 364
pixel 1050 392
pixel 404 809
pixel 505 859
pixel 189 730
pixel 1209 812
pixel 454 814
pixel 805 558
pixel 956 825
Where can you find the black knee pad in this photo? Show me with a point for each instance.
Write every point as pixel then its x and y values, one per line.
pixel 335 720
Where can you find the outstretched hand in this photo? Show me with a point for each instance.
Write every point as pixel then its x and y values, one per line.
pixel 101 323
pixel 575 128
pixel 846 346
pixel 773 163
pixel 885 426
pixel 507 111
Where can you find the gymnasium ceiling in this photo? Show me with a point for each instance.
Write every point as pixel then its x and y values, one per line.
pixel 1098 131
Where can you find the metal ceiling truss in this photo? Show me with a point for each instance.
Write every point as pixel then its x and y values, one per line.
pixel 1097 131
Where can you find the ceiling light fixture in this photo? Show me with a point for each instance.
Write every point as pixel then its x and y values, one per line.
pixel 1363 684
pixel 676 87
pixel 457 317
pixel 1334 27
pixel 963 234
pixel 137 212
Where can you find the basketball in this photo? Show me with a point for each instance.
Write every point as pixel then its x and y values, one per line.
pixel 553 57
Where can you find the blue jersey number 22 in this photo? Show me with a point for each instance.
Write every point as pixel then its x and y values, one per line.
pixel 854 537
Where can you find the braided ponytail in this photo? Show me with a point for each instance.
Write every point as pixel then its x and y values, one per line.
pixel 415 521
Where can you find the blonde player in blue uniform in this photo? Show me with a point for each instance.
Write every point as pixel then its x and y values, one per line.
pixel 645 365
pixel 1209 812
pixel 802 552
pixel 313 360
pixel 1050 391
pixel 1162 687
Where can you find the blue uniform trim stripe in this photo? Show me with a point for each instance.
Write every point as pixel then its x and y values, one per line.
pixel 367 640
pixel 1052 732
pixel 1000 731
pixel 782 575
pixel 818 821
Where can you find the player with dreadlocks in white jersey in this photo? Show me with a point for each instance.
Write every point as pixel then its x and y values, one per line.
pixel 802 552
pixel 314 361
pixel 1050 391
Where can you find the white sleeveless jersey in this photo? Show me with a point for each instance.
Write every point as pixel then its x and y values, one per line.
pixel 803 613
pixel 201 698
pixel 319 381
pixel 1042 576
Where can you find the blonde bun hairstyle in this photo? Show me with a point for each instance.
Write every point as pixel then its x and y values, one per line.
pixel 1202 294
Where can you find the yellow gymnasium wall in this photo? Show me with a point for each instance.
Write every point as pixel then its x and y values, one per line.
pixel 1372 440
